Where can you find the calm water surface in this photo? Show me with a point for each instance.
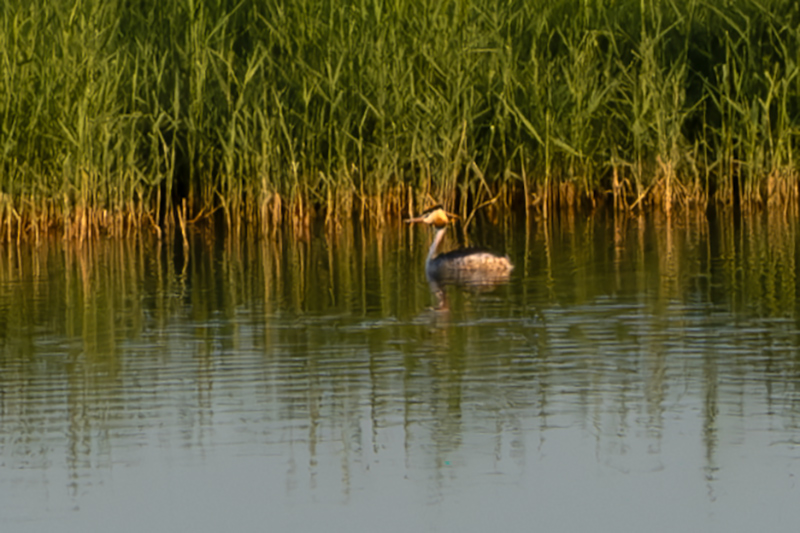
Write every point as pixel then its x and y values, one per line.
pixel 635 374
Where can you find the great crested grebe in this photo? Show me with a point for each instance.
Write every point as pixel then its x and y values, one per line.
pixel 466 266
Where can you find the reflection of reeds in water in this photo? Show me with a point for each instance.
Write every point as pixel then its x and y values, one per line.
pixel 659 258
pixel 682 248
pixel 676 272
pixel 326 333
pixel 757 264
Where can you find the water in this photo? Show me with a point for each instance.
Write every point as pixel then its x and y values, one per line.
pixel 635 374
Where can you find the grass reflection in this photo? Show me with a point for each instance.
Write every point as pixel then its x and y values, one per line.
pixel 324 344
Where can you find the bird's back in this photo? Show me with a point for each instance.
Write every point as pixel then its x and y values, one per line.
pixel 470 265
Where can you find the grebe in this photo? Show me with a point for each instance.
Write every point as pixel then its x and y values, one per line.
pixel 466 266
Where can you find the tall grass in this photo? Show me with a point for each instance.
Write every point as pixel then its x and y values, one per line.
pixel 118 115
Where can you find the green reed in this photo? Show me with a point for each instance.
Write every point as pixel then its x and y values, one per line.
pixel 118 115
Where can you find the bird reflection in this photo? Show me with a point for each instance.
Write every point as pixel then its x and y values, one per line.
pixel 473 268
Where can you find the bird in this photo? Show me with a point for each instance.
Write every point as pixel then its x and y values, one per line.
pixel 473 267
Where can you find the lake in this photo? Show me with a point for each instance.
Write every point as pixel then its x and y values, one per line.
pixel 635 374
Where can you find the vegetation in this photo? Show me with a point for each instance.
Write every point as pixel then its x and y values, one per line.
pixel 117 115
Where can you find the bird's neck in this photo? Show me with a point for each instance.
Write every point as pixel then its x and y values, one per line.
pixel 437 239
